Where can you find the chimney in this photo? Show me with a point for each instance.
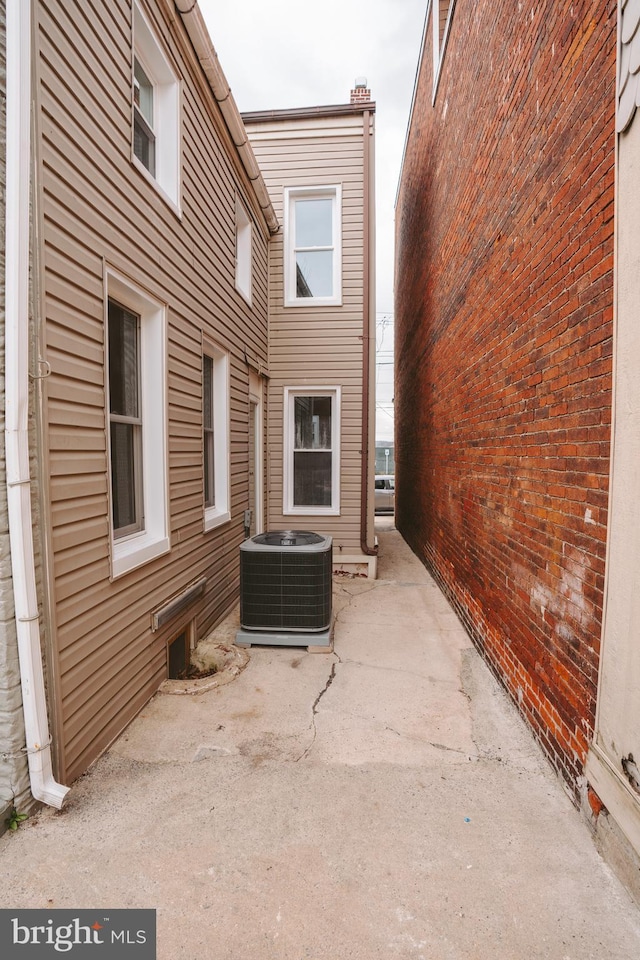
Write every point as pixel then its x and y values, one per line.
pixel 361 92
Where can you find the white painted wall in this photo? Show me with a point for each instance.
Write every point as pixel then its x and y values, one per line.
pixel 618 712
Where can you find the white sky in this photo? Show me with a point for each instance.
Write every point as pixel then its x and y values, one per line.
pixel 287 53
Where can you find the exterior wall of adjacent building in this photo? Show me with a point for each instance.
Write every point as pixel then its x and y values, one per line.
pixel 504 302
pixel 319 346
pixel 107 230
pixel 612 765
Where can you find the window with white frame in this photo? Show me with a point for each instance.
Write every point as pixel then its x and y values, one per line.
pixel 156 110
pixel 125 420
pixel 144 138
pixel 313 246
pixel 136 407
pixel 243 252
pixel 312 450
pixel 215 429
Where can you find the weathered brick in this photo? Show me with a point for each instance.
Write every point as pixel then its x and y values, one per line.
pixel 504 308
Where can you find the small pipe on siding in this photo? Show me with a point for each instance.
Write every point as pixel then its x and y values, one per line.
pixel 44 787
pixel 199 35
pixel 366 337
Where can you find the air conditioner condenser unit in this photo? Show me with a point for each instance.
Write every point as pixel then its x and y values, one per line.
pixel 286 589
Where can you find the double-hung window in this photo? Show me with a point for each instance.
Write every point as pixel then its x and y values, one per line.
pixel 136 412
pixel 144 138
pixel 156 111
pixel 208 429
pixel 313 246
pixel 125 420
pixel 215 435
pixel 312 450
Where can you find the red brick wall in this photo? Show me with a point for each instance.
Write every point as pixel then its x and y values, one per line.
pixel 504 293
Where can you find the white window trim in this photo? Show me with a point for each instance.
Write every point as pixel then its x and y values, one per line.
pixel 221 511
pixel 153 540
pixel 167 123
pixel 288 507
pixel 244 249
pixel 439 48
pixel 291 194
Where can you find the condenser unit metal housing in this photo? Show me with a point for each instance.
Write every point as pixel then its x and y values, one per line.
pixel 286 589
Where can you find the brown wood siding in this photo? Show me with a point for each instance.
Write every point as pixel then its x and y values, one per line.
pixel 98 208
pixel 317 346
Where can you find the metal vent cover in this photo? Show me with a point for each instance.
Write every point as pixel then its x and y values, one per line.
pixel 287 538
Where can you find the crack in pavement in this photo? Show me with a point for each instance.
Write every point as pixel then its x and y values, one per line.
pixel 443 746
pixel 342 591
pixel 385 668
pixel 332 677
pixel 314 708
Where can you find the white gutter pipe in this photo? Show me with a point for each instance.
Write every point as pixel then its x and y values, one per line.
pixel 199 36
pixel 18 177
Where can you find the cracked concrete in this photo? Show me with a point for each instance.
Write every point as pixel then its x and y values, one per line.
pixel 381 802
pixel 314 711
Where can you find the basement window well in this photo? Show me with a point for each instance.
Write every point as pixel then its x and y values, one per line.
pixel 179 656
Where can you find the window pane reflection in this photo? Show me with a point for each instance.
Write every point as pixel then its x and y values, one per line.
pixel 312 423
pixel 314 223
pixel 123 361
pixel 312 478
pixel 123 475
pixel 314 273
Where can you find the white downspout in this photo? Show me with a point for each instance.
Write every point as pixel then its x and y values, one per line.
pixel 18 174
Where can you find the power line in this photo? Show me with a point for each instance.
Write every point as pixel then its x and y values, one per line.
pixel 386 413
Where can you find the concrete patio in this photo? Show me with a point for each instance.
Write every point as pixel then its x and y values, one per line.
pixel 381 802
